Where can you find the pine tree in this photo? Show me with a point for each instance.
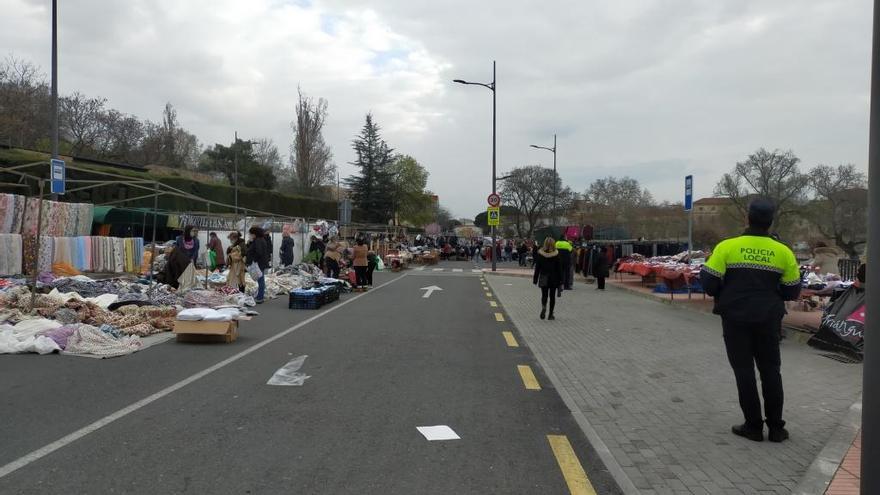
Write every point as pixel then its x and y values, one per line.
pixel 372 188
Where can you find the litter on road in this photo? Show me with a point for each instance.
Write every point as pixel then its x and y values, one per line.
pixel 289 375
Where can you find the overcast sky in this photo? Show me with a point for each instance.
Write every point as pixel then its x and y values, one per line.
pixel 647 88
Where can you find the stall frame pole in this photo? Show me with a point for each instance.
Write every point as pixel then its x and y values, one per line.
pixel 35 265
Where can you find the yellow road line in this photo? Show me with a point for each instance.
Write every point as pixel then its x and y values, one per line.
pixel 499 317
pixel 572 471
pixel 488 294
pixel 510 339
pixel 528 377
pixel 493 304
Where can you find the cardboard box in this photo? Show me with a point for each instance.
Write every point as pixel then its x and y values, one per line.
pixel 206 331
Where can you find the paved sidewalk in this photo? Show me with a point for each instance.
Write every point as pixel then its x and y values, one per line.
pixel 652 387
pixel 848 476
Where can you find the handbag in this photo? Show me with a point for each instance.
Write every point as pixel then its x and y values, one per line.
pixel 543 280
pixel 254 271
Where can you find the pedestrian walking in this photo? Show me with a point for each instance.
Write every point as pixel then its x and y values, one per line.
pixel 548 275
pixel 215 245
pixel 286 251
pixel 360 264
pixel 599 265
pixel 750 277
pixel 521 252
pixel 235 254
pixel 258 252
pixel 565 248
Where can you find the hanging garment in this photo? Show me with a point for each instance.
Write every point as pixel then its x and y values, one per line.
pixel 11 246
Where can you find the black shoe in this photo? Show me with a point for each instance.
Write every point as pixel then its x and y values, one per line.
pixel 551 317
pixel 543 313
pixel 745 431
pixel 777 435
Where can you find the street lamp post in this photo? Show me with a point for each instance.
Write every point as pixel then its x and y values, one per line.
pixel 491 86
pixel 553 149
pixel 54 84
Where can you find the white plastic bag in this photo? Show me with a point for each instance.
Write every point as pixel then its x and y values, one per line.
pixel 289 374
pixel 254 271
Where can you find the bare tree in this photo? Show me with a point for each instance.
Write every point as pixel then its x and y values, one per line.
pixel 121 137
pixel 80 121
pixel 771 174
pixel 24 103
pixel 840 209
pixel 617 202
pixel 530 191
pixel 310 156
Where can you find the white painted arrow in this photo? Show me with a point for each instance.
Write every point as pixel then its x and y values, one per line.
pixel 430 290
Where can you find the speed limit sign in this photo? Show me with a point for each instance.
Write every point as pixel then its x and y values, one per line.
pixel 494 200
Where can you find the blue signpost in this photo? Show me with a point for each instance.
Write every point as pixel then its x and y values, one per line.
pixel 57 175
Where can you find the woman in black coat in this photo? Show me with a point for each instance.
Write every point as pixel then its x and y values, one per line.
pixel 600 266
pixel 548 275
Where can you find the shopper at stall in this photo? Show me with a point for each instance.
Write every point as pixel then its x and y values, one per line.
pixel 599 266
pixel 235 257
pixel 332 257
pixel 372 264
pixel 176 262
pixel 548 275
pixel 258 253
pixel 215 245
pixel 286 251
pixel 267 234
pixel 750 277
pixel 189 242
pixel 360 264
pixel 565 248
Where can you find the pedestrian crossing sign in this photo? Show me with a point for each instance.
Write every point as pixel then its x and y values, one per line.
pixel 494 216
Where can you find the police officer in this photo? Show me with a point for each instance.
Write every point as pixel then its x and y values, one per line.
pixel 750 277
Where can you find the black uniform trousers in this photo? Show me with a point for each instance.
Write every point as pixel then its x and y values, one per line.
pixel 756 343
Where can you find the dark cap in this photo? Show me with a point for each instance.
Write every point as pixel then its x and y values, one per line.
pixel 761 212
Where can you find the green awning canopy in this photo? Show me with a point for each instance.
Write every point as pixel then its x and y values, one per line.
pixel 126 216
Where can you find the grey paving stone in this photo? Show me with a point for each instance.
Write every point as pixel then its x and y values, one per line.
pixel 654 383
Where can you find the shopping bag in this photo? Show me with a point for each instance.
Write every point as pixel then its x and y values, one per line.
pixel 380 265
pixel 212 260
pixel 254 271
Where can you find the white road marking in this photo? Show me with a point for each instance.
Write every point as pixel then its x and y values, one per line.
pixel 125 411
pixel 457 270
pixel 420 268
pixel 430 290
pixel 475 270
pixel 438 269
pixel 439 432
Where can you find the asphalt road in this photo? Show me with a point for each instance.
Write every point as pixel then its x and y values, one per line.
pixel 380 364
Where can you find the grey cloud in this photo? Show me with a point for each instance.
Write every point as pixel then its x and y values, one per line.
pixel 654 89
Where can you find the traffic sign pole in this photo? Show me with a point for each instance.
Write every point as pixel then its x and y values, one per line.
pixel 689 207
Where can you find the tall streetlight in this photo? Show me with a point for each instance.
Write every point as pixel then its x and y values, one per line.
pixel 54 84
pixel 491 86
pixel 553 149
